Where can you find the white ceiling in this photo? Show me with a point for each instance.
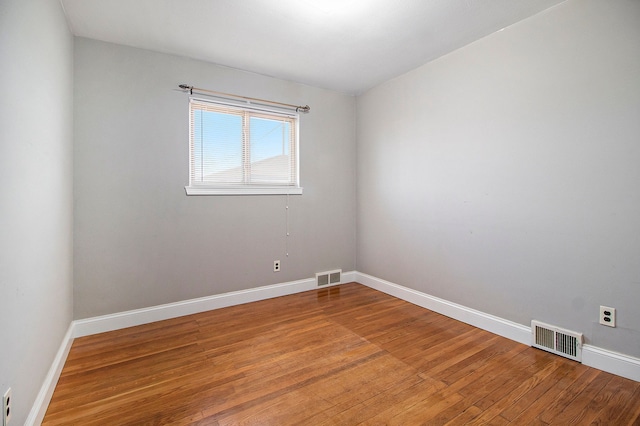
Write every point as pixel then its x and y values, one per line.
pixel 344 45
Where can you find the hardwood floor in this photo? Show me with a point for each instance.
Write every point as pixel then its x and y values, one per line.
pixel 337 356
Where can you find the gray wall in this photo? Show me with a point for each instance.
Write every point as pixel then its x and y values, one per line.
pixel 505 176
pixel 140 241
pixel 36 202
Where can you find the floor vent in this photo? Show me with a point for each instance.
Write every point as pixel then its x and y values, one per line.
pixel 329 277
pixel 556 340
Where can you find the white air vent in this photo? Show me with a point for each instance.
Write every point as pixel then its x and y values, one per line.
pixel 329 277
pixel 556 340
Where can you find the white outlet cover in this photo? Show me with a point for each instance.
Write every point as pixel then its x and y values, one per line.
pixel 607 316
pixel 6 407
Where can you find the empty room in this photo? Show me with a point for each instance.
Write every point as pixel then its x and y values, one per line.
pixel 222 212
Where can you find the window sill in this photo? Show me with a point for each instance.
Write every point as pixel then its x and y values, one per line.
pixel 243 190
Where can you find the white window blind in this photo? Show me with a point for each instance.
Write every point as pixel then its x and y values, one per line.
pixel 241 150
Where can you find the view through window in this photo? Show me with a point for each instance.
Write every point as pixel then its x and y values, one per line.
pixel 241 150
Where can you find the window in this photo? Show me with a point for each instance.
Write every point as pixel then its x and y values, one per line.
pixel 241 150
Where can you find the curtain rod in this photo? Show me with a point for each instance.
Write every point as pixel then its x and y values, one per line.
pixel 298 108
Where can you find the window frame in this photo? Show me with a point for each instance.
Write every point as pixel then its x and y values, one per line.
pixel 243 188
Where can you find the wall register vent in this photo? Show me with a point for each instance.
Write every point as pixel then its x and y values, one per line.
pixel 329 277
pixel 557 340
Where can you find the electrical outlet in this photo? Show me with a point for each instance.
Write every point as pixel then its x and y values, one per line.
pixel 607 316
pixel 276 266
pixel 6 407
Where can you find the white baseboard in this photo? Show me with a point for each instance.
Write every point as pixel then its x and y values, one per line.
pixel 135 317
pixel 496 325
pixel 40 405
pixel 611 362
pixel 348 277
pixel 592 356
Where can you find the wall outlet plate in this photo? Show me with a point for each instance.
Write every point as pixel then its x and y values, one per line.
pixel 6 407
pixel 607 316
pixel 276 266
